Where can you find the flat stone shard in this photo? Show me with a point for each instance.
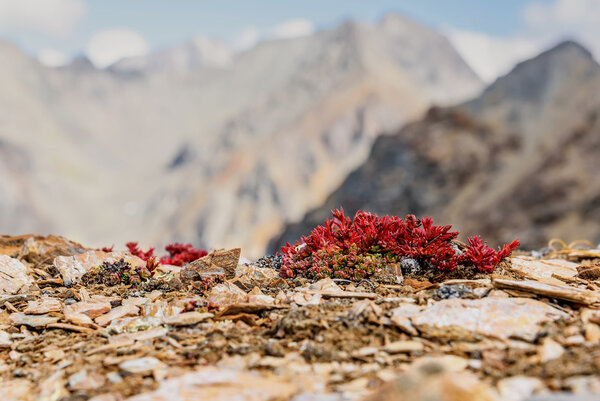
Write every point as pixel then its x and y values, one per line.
pixel 429 384
pixel 71 268
pixel 211 383
pixel 550 270
pixel 401 317
pixel 226 294
pixel 558 291
pixel 90 309
pixel 19 319
pixel 5 339
pixel 468 319
pixel 116 313
pixel 252 276
pixel 220 262
pixel 187 318
pixel 14 275
pixel 404 347
pixel 43 306
pixel 40 250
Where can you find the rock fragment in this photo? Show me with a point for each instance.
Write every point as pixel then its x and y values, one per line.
pixel 518 388
pixel 211 383
pixel 43 306
pixel 220 262
pixel 250 275
pixel 488 317
pixel 83 380
pixel 116 313
pixel 144 365
pixel 72 268
pixel 40 250
pixel 432 383
pixel 18 389
pixel 549 270
pixel 90 309
pixel 13 275
pixel 35 321
pixel 404 347
pixel 550 350
pixel 226 294
pixel 558 291
pixel 401 317
pixel 5 339
pixel 187 318
pixel 592 333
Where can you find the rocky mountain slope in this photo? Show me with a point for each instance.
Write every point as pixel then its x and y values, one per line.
pixel 217 153
pixel 519 160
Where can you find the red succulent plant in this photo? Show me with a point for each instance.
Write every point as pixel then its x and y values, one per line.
pixel 356 248
pixel 135 250
pixel 179 254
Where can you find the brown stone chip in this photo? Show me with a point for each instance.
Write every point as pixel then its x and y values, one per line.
pixel 70 327
pixel 557 291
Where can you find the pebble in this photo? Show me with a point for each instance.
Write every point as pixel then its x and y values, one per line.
pixel 592 333
pixel 187 318
pixel 550 350
pixel 404 347
pixel 518 388
pixel 13 275
pixel 141 365
pixel 43 306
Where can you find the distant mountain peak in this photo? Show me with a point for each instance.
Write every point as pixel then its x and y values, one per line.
pixel 393 18
pixel 81 63
pixel 568 47
pixel 200 51
pixel 563 55
pixel 537 81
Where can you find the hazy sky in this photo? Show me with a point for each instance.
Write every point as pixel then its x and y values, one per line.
pixel 491 36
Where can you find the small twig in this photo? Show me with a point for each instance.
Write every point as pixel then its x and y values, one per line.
pixel 367 281
pixel 342 280
pixel 57 281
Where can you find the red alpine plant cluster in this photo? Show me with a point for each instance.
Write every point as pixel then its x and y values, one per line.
pixel 179 254
pixel 357 248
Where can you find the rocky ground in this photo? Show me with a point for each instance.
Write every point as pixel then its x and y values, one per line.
pixel 531 330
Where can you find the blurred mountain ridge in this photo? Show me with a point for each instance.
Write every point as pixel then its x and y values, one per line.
pixel 519 160
pixel 217 153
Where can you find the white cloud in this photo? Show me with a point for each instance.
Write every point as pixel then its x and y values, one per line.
pixel 50 17
pixel 107 47
pixel 577 19
pixel 293 28
pixel 569 12
pixel 544 24
pixel 491 56
pixel 52 57
pixel 246 39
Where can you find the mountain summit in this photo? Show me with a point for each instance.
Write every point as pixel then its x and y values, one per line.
pixel 197 53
